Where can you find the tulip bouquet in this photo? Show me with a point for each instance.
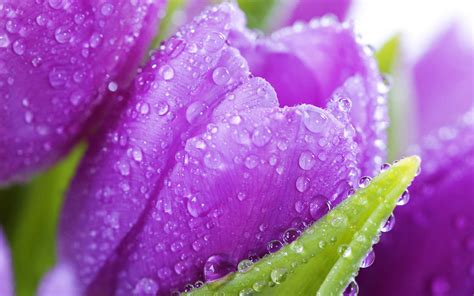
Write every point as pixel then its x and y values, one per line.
pixel 228 161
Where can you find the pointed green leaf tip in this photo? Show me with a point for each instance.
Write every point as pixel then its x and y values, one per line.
pixel 327 256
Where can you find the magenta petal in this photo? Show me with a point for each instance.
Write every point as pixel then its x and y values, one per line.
pixel 58 60
pixel 204 168
pixel 6 279
pixel 443 80
pixel 59 281
pixel 430 251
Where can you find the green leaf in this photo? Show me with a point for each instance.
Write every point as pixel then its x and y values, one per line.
pixel 400 104
pixel 325 258
pixel 257 12
pixel 32 228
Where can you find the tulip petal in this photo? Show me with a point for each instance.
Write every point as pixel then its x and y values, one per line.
pixel 308 63
pixel 6 280
pixel 59 281
pixel 430 250
pixel 58 61
pixel 177 171
pixel 305 10
pixel 443 81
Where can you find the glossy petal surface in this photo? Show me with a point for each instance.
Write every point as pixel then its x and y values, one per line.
pixel 305 10
pixel 6 280
pixel 58 61
pixel 430 250
pixel 205 164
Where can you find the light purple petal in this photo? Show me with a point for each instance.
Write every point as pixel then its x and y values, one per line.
pixel 6 279
pixel 431 249
pixel 204 161
pixel 443 80
pixel 58 61
pixel 305 10
pixel 60 280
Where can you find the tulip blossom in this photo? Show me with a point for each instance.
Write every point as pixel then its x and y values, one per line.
pixel 431 249
pixel 59 61
pixel 229 144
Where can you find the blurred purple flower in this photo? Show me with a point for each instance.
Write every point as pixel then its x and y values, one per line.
pixel 431 249
pixel 6 283
pixel 59 61
pixel 214 159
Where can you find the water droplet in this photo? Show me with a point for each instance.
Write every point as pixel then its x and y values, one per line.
pixel 236 119
pixel 306 160
pixel 259 286
pixel 261 136
pixel 290 235
pixel 389 224
pixel 57 78
pixel 19 47
pixel 76 98
pixel 112 86
pixel 345 251
pixel 220 75
pixel 95 40
pixel 404 198
pixel 244 265
pixel 319 207
pixel 251 161
pixel 124 168
pixel 214 41
pixel 62 34
pixel 216 267
pixel 144 108
pixel 146 286
pixel 56 4
pixel 137 154
pixel 107 9
pixel 162 108
pixel 4 40
pixel 41 20
pixel 384 85
pixel 364 181
pixel 241 196
pixel 385 167
pixel 315 120
pixel 28 117
pixel 166 72
pixel 194 111
pixel 247 292
pixel 352 289
pixel 278 275
pixel 344 105
pixel 368 260
pixel 274 246
pixel 302 183
pixel 197 208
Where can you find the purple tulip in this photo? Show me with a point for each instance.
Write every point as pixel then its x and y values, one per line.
pixel 229 144
pixel 59 61
pixel 431 249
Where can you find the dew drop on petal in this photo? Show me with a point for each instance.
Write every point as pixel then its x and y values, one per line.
pixel 146 286
pixel 220 75
pixel 274 246
pixel 302 183
pixel 244 265
pixel 352 289
pixel 290 235
pixel 306 160
pixel 216 267
pixel 166 72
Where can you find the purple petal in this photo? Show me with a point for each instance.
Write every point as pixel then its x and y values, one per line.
pixel 310 63
pixel 57 59
pixel 6 279
pixel 205 164
pixel 305 10
pixel 430 250
pixel 59 281
pixel 443 80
